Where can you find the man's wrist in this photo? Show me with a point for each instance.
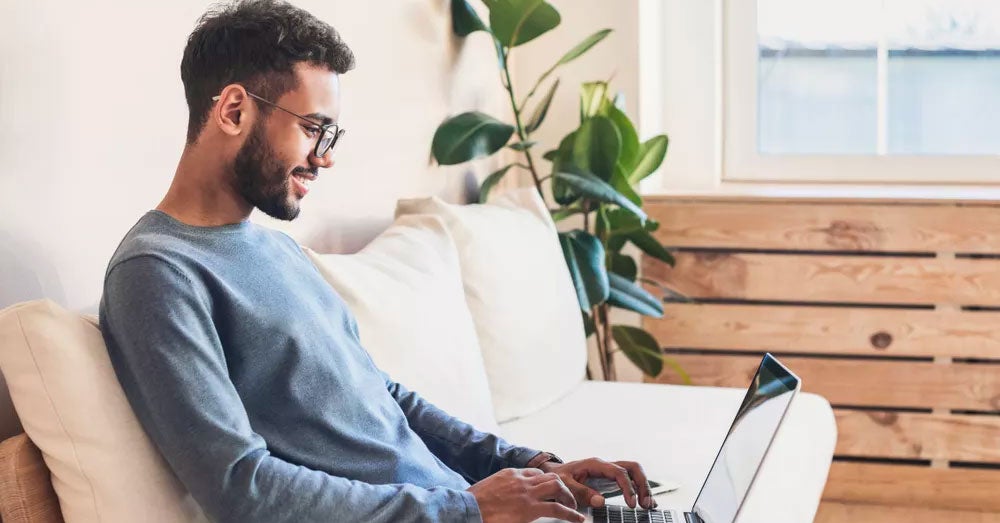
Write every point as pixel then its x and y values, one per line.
pixel 541 458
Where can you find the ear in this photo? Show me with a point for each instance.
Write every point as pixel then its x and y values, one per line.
pixel 232 110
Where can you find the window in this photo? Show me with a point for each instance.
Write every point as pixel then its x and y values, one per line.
pixel 828 91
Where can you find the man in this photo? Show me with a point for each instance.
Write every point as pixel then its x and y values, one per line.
pixel 242 364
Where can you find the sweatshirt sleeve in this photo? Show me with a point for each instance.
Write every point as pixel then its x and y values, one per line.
pixel 473 454
pixel 157 324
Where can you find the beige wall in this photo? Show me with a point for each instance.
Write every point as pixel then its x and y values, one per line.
pixel 617 56
pixel 92 121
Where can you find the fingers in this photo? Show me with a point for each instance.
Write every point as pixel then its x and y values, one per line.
pixel 558 511
pixel 640 480
pixel 531 472
pixel 585 496
pixel 553 488
pixel 620 475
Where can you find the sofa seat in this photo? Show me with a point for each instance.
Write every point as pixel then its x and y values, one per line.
pixel 675 431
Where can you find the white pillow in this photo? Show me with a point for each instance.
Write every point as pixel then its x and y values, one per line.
pixel 521 297
pixel 405 289
pixel 104 467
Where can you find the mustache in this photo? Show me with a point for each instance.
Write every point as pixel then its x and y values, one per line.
pixel 299 170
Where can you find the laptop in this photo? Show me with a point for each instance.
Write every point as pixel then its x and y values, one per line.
pixel 739 459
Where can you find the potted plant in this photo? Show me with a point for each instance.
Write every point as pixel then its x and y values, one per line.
pixel 594 173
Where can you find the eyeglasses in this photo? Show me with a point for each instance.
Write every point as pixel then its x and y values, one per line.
pixel 329 134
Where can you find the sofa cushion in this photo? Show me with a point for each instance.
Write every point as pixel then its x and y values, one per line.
pixel 675 432
pixel 405 290
pixel 26 494
pixel 104 467
pixel 520 294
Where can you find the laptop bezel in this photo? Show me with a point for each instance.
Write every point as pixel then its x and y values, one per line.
pixel 779 370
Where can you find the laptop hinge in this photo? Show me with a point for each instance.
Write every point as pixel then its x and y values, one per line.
pixel 691 517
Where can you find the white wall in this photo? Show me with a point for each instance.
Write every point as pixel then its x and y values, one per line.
pixel 92 122
pixel 616 57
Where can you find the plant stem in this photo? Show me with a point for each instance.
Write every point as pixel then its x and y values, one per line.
pixel 517 120
pixel 609 367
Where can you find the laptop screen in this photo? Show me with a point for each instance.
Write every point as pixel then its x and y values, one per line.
pixel 742 452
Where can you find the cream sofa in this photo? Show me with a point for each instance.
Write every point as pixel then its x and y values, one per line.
pixel 469 305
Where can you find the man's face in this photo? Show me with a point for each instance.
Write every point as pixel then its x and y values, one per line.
pixel 276 162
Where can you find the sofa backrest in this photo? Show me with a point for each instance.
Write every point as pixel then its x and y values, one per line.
pixel 521 296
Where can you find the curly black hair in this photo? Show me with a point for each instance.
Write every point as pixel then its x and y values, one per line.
pixel 255 43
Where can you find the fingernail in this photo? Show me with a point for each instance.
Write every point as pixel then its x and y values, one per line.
pixel 647 502
pixel 597 500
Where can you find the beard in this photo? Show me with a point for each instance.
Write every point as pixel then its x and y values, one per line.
pixel 261 177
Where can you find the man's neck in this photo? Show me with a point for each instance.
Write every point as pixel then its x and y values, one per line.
pixel 202 193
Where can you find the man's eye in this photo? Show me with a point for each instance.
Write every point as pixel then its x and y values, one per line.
pixel 313 131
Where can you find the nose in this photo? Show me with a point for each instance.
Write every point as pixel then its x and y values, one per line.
pixel 324 162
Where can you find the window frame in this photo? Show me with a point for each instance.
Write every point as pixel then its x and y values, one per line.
pixel 698 83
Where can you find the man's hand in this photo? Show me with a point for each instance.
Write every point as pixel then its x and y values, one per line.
pixel 524 495
pixel 628 474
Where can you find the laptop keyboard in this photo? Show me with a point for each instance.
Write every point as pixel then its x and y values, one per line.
pixel 622 514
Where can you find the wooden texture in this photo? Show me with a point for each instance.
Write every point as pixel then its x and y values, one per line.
pixel 873 305
pixel 861 383
pixel 914 486
pixel 830 330
pixel 826 279
pixel 906 435
pixel 829 226
pixel 839 512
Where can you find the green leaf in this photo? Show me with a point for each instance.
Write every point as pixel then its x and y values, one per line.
pixel 640 347
pixel 522 146
pixel 669 294
pixel 490 182
pixel 469 136
pixel 585 259
pixel 626 295
pixel 588 324
pixel 564 212
pixel 630 139
pixel 623 265
pixel 562 193
pixel 594 188
pixel 678 369
pixel 515 22
pixel 623 222
pixel 651 246
pixel 583 46
pixel 597 147
pixel 464 19
pixel 615 243
pixel 551 155
pixel 592 95
pixel 620 183
pixel 650 157
pixel 542 109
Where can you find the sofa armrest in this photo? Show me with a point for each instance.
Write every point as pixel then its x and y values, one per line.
pixel 26 493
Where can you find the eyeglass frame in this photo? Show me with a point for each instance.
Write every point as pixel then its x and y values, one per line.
pixel 324 128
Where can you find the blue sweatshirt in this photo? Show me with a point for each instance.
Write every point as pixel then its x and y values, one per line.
pixel 245 369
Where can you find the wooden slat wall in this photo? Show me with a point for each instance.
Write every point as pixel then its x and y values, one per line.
pixel 889 310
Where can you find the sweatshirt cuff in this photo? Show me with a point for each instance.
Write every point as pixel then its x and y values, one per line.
pixel 472 512
pixel 522 456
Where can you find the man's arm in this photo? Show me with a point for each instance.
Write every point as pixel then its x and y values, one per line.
pixel 168 357
pixel 472 453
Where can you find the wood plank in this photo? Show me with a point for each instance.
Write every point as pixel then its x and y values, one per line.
pixel 827 226
pixel 914 486
pixel 861 383
pixel 837 512
pixel 854 279
pixel 837 330
pixel 907 435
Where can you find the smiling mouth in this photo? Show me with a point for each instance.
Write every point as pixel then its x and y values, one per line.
pixel 302 180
